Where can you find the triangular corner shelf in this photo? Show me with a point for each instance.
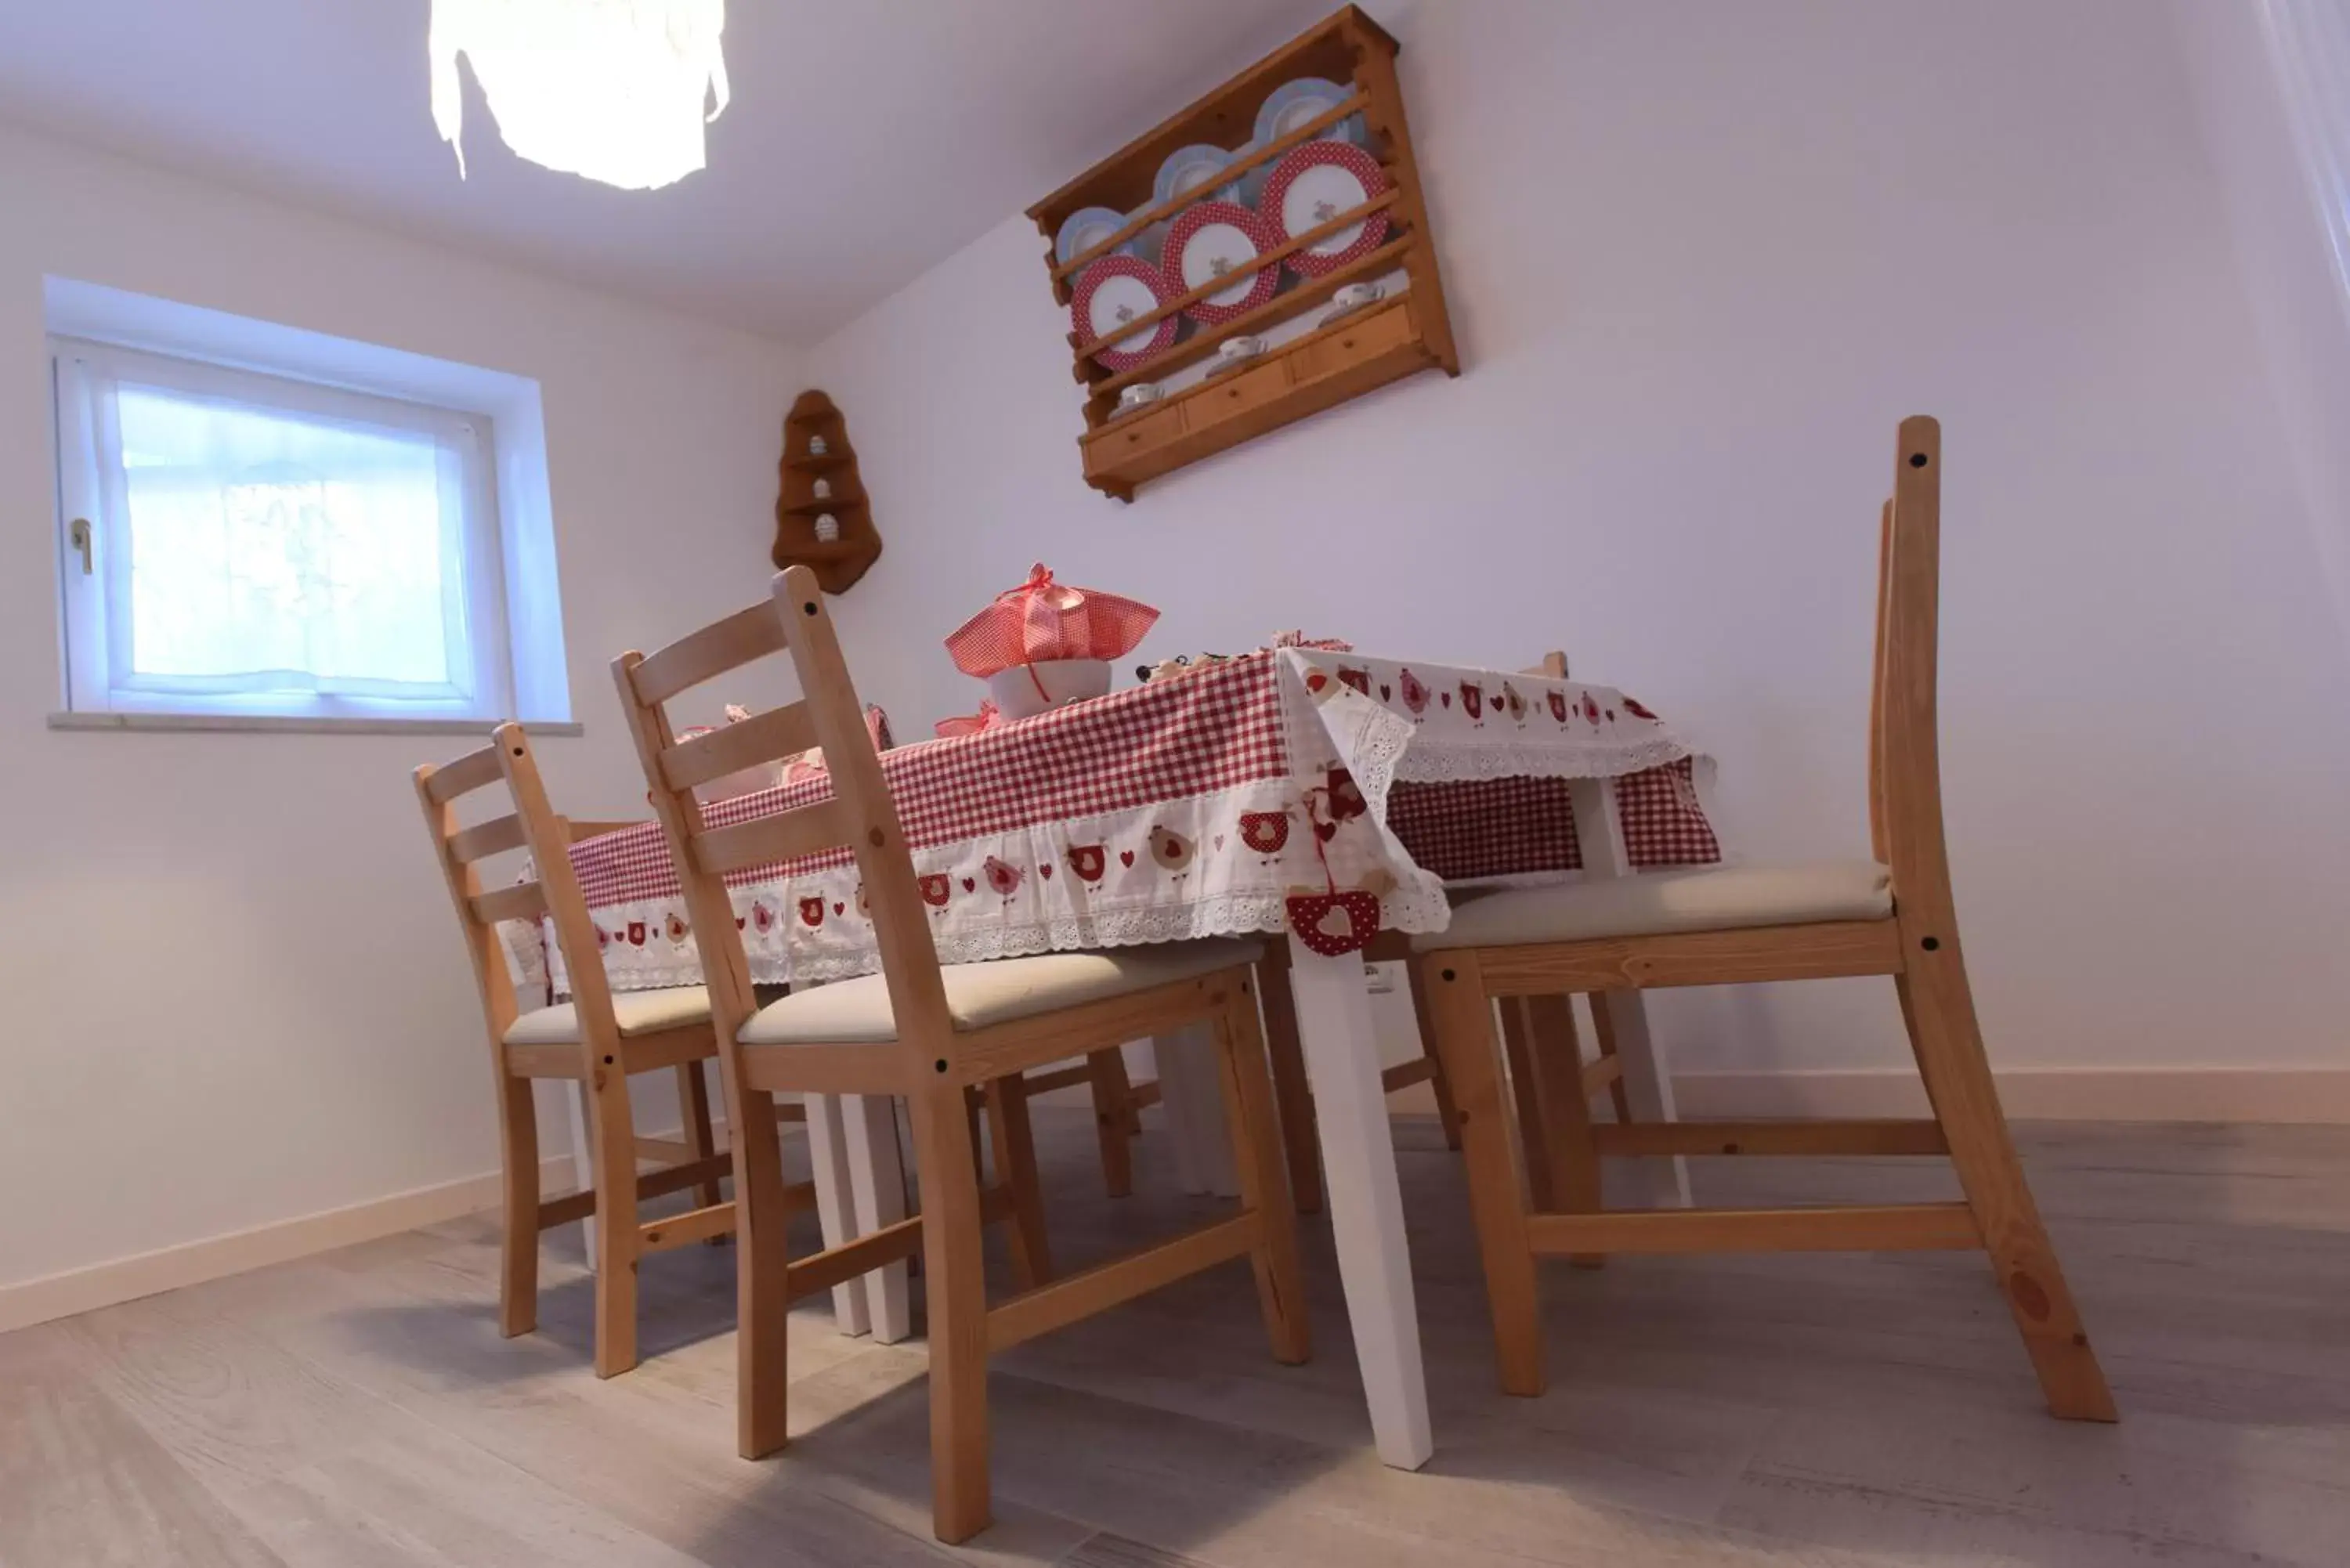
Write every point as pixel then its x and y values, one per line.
pixel 838 563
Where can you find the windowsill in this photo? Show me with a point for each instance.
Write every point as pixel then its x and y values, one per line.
pixel 298 724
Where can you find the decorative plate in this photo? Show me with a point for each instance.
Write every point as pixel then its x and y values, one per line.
pixel 1086 227
pixel 1219 239
pixel 1292 104
pixel 1313 184
pixel 1115 289
pixel 1189 168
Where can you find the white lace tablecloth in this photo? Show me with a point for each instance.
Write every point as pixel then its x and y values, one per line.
pixel 1181 808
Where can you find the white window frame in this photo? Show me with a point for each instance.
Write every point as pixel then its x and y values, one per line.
pixel 482 685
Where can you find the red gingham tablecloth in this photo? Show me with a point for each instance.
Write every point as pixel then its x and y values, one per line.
pixel 1177 809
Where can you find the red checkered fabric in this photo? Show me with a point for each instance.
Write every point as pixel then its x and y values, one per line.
pixel 1663 823
pixel 1209 730
pixel 1500 827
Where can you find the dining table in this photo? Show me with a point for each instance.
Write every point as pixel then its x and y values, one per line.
pixel 1308 793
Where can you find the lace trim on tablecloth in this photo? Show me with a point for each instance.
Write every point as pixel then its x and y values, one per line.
pixel 1225 914
pixel 1459 764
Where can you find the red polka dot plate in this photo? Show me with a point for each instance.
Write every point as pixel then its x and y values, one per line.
pixel 1219 239
pixel 1313 184
pixel 1115 290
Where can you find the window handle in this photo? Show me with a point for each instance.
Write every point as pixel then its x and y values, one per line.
pixel 77 536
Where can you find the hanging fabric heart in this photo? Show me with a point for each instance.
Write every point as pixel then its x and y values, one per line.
pixel 1333 923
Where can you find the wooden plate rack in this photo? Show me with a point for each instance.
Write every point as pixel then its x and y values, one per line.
pixel 839 562
pixel 1405 332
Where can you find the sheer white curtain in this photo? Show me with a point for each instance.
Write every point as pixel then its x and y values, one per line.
pixel 262 551
pixel 256 540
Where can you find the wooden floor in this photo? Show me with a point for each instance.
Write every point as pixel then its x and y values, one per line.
pixel 358 1410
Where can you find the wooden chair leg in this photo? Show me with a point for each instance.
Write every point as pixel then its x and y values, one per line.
pixel 1460 1026
pixel 1264 1188
pixel 1291 1092
pixel 1568 1152
pixel 694 1118
pixel 1603 1032
pixel 1008 1133
pixel 972 1102
pixel 761 1274
pixel 518 1260
pixel 1518 1046
pixel 1448 1113
pixel 1939 1010
pixel 955 1295
pixel 617 1241
pixel 1113 1118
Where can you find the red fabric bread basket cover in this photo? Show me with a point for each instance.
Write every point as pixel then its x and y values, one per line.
pixel 1042 620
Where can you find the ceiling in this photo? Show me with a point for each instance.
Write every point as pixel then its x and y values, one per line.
pixel 865 142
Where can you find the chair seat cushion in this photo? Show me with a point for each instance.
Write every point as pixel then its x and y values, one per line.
pixel 637 1011
pixel 1711 898
pixel 980 995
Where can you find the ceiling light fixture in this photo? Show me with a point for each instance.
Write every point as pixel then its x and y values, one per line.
pixel 610 89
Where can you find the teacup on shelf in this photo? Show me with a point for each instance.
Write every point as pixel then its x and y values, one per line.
pixel 1234 352
pixel 1353 297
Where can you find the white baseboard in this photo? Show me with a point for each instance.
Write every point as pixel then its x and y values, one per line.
pixel 98 1285
pixel 2320 1094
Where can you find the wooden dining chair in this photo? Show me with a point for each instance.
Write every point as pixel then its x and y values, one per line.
pixel 599 1039
pixel 1891 915
pixel 923 1031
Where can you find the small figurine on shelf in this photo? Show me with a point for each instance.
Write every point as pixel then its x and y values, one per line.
pixel 822 490
pixel 827 529
pixel 819 446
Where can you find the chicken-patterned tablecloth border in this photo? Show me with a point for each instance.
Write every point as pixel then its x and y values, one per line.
pixel 1177 809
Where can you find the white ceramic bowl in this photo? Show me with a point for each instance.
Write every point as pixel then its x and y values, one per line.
pixel 1063 681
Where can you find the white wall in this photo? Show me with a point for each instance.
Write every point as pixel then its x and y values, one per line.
pixel 1702 257
pixel 235 990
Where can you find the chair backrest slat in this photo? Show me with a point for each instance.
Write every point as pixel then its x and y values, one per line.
pixel 860 814
pixel 713 650
pixel 576 829
pixel 1878 844
pixel 552 888
pixel 783 732
pixel 474 770
pixel 483 840
pixel 1906 745
pixel 786 835
pixel 521 902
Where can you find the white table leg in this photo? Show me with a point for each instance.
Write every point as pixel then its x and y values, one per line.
pixel 835 1207
pixel 1189 1089
pixel 583 1159
pixel 877 1183
pixel 1365 1200
pixel 1648 1081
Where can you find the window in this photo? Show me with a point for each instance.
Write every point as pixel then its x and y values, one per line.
pixel 240 544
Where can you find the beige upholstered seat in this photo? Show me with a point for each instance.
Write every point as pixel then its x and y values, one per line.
pixel 637 1011
pixel 1712 900
pixel 856 1011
